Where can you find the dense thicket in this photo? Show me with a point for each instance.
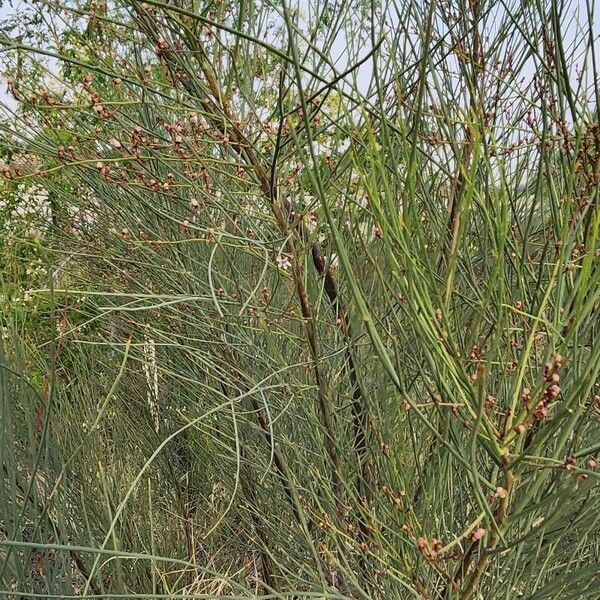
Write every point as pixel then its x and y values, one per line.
pixel 300 301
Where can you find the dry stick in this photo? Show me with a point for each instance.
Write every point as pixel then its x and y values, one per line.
pixel 477 61
pixel 169 60
pixel 359 411
pixel 453 226
pixel 220 111
pixel 283 218
pixel 358 406
pixel 283 221
pixel 277 457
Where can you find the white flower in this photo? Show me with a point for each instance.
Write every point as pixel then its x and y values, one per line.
pixel 311 222
pixel 283 262
pixel 30 208
pixel 343 145
pixel 320 148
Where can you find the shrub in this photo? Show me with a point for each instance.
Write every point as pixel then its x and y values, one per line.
pixel 317 314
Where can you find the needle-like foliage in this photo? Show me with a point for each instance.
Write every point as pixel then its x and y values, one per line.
pixel 300 300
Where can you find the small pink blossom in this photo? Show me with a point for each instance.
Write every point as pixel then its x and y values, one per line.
pixel 283 262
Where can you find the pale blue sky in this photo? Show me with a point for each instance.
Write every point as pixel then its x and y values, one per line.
pixel 576 8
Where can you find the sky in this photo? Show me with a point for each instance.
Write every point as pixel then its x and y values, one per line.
pixel 577 11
